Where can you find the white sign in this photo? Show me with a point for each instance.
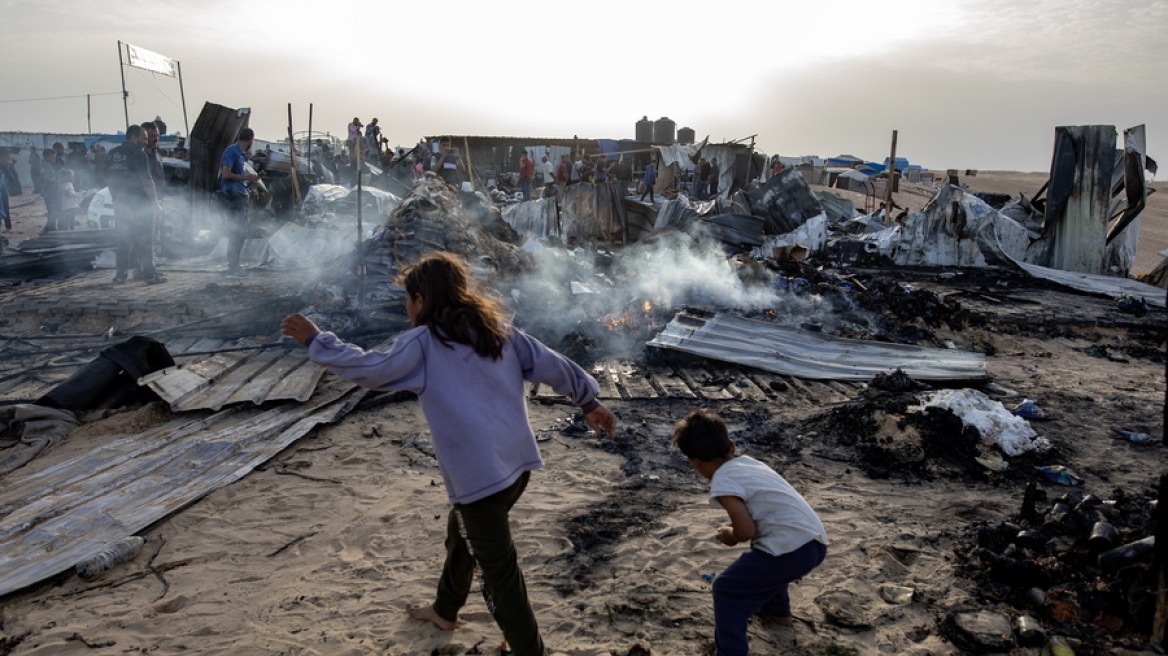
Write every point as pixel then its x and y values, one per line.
pixel 151 61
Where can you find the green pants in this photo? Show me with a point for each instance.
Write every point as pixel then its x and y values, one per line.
pixel 486 529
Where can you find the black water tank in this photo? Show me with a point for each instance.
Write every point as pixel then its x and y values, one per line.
pixel 645 130
pixel 685 136
pixel 663 131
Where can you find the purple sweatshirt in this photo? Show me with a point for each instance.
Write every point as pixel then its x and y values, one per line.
pixel 475 405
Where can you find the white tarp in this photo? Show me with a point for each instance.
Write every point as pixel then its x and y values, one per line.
pixel 993 421
pixel 812 234
pixel 536 218
pixel 299 246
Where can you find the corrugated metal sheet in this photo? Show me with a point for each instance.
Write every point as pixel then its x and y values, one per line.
pixel 239 377
pixel 66 513
pixel 804 354
pixel 1098 284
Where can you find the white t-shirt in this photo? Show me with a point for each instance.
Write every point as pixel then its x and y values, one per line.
pixel 783 521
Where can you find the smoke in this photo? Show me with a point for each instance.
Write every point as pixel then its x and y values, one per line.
pixel 618 300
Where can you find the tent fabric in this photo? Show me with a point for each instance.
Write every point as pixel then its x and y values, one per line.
pixel 785 202
pixel 535 218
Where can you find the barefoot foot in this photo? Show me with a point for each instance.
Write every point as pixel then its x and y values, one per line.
pixel 428 614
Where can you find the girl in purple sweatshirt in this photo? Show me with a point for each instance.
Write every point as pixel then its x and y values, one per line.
pixel 467 366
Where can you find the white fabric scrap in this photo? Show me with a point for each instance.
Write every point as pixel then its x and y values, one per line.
pixel 1011 433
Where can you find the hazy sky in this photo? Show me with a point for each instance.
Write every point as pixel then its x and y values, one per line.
pixel 968 84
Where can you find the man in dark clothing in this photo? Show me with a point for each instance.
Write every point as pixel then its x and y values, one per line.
pixel 78 162
pixel 13 187
pixel 135 204
pixel 47 181
pixel 703 179
pixel 448 164
pixel 233 179
pixel 712 181
pixel 649 180
pixel 34 167
pixel 5 169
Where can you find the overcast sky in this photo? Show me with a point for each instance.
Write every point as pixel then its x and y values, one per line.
pixel 968 84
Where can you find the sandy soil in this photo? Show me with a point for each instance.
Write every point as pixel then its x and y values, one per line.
pixel 318 551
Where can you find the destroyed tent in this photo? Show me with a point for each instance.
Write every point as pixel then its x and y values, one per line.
pixel 1091 185
pixel 55 252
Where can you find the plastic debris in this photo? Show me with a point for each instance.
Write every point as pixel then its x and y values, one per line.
pixel 1059 647
pixel 708 577
pixel 1132 305
pixel 1028 409
pixel 1059 474
pixel 898 595
pixel 1132 436
pixel 114 554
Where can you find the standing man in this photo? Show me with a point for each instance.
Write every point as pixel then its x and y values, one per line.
pixel 547 170
pixel 154 159
pixel 715 173
pixel 233 179
pixel 577 168
pixel 649 180
pixel 47 182
pixel 448 164
pixel 601 168
pixel 135 204
pixel 354 140
pixel 373 139
pixel 34 167
pixel 14 187
pixel 5 167
pixel 564 171
pixel 526 175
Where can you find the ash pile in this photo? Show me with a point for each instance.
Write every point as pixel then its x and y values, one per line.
pixel 433 217
pixel 1077 566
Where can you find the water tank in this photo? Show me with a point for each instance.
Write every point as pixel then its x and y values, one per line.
pixel 645 130
pixel 685 136
pixel 663 131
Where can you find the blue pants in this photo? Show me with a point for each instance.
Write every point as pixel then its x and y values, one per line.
pixel 525 187
pixel 757 582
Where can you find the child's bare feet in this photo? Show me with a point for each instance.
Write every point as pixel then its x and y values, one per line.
pixel 428 614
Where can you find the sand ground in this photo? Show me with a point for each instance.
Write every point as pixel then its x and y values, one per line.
pixel 318 551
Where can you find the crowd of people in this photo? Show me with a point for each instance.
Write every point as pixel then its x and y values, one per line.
pixel 64 178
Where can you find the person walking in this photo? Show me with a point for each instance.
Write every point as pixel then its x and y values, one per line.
pixel 233 180
pixel 649 180
pixel 468 366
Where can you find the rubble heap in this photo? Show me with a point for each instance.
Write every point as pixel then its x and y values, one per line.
pixel 1081 564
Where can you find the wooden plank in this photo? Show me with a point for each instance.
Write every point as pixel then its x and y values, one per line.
pixel 671 384
pixel 702 382
pixel 608 383
pixel 633 381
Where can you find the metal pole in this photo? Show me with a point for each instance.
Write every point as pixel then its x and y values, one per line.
pixel 125 96
pixel 89 112
pixel 292 160
pixel 183 97
pixel 360 235
pixel 891 170
pixel 310 138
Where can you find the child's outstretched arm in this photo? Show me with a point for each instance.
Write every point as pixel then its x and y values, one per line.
pixel 741 527
pixel 299 327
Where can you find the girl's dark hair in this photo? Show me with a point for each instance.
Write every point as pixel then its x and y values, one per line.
pixel 453 307
pixel 702 435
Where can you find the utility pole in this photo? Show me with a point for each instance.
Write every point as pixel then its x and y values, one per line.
pixel 891 170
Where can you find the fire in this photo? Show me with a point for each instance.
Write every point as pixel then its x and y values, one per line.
pixel 648 307
pixel 613 322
